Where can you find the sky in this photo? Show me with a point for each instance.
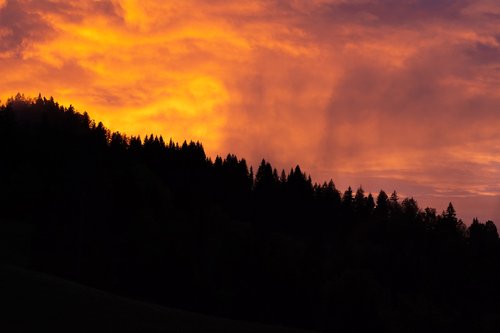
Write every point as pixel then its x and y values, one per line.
pixel 394 95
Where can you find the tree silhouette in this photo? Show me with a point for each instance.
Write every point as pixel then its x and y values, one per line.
pixel 382 208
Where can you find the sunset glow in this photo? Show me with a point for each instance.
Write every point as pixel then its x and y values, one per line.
pixel 398 95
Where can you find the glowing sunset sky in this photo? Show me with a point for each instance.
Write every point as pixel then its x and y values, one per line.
pixel 395 94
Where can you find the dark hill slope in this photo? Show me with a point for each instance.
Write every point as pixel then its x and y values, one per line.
pixel 159 221
pixel 37 302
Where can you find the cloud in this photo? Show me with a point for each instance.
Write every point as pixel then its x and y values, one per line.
pixel 19 26
pixel 367 92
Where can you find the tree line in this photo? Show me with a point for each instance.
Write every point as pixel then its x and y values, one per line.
pixel 160 221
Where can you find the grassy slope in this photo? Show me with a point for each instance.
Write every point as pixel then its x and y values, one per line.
pixel 38 302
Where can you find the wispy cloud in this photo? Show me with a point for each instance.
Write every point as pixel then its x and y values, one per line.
pixel 404 92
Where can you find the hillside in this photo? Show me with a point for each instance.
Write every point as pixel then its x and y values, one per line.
pixel 35 302
pixel 158 221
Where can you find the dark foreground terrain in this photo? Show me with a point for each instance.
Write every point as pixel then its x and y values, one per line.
pixel 37 302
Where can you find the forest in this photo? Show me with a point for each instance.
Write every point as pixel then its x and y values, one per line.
pixel 161 222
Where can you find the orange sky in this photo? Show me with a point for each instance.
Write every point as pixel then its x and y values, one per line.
pixel 388 94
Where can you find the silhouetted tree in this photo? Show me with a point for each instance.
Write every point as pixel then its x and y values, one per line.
pixel 382 208
pixel 347 199
pixel 265 182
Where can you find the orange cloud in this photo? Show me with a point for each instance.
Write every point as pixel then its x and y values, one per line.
pixel 367 92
